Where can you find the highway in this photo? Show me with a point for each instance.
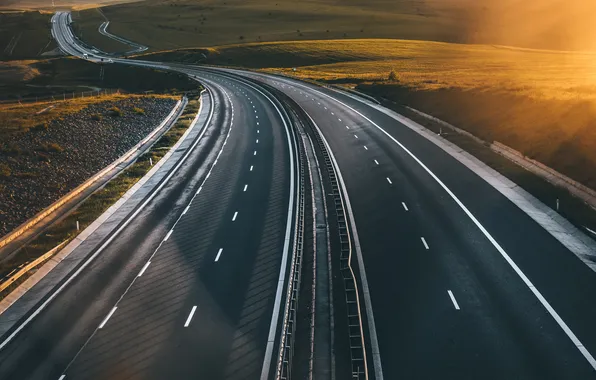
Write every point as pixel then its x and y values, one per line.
pixel 455 280
pixel 188 288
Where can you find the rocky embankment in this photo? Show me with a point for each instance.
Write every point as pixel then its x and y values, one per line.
pixel 43 164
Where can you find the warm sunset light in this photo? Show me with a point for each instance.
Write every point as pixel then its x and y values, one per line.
pixel 297 189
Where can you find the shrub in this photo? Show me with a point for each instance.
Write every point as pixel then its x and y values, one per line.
pixel 115 111
pixel 96 117
pixel 4 171
pixel 53 147
pixel 41 127
pixel 138 111
pixel 393 76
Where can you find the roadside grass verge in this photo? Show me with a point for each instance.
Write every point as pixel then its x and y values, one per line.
pixel 570 207
pixel 98 202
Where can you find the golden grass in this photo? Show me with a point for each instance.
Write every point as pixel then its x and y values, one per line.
pixel 16 117
pixel 433 65
pixel 17 71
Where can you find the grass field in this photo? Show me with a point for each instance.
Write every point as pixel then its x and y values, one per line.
pixel 54 77
pixel 24 35
pixel 419 64
pixel 540 102
pixel 172 24
pixel 21 5
pixel 61 76
pixel 88 31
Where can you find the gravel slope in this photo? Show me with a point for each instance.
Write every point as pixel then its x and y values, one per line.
pixel 41 172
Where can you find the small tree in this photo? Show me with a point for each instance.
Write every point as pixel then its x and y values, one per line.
pixel 393 76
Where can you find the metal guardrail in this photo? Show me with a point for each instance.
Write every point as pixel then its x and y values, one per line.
pixel 19 272
pixel 284 371
pixel 579 190
pixel 356 338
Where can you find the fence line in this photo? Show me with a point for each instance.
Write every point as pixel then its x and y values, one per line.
pixel 62 97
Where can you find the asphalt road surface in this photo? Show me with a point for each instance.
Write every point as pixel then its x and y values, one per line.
pixel 461 282
pixel 188 289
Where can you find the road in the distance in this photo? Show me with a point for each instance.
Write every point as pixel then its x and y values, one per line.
pixel 200 306
pixel 446 303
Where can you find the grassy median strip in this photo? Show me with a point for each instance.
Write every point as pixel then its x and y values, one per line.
pixel 99 201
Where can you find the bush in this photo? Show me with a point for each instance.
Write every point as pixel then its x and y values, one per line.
pixel 393 76
pixel 53 147
pixel 96 117
pixel 41 127
pixel 4 171
pixel 138 111
pixel 115 112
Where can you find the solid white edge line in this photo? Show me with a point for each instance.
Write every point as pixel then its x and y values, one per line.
pixel 453 300
pixel 105 320
pixel 117 232
pixel 144 269
pixel 424 242
pixel 218 254
pixel 168 235
pixel 570 334
pixel 186 210
pixel 189 319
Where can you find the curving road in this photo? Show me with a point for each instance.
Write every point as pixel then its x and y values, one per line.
pixel 456 281
pixel 189 286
